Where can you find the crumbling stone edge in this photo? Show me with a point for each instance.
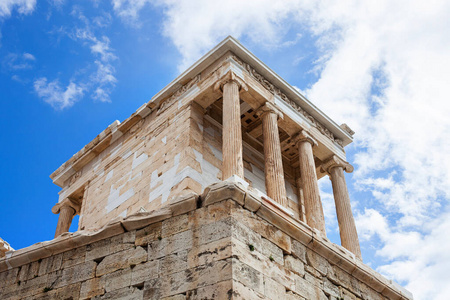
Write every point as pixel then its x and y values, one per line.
pixel 245 196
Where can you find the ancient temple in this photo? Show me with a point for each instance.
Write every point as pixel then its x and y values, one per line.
pixel 208 191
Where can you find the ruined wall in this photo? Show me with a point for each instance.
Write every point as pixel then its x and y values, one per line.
pixel 221 250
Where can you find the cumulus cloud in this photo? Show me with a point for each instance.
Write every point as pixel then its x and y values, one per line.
pixel 22 7
pixel 383 68
pixel 424 259
pixel 57 96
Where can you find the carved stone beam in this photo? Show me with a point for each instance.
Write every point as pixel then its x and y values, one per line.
pixel 313 204
pixel 273 163
pixel 349 237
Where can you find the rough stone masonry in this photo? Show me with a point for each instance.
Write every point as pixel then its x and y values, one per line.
pixel 225 244
pixel 208 191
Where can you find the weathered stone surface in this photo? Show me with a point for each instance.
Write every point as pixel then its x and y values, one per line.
pixel 272 289
pixel 272 251
pixel 9 277
pixel 77 273
pixel 319 263
pixel 172 244
pixel 117 279
pixel 220 290
pixel 98 249
pixel 307 290
pixel 121 260
pixel 221 251
pixel 67 292
pixel 207 253
pixel 174 263
pixel 123 241
pixel 242 292
pixel 265 229
pixel 152 289
pixel 175 225
pixel 248 276
pixel 193 278
pixel 126 293
pixel 50 264
pixel 148 234
pixel 144 272
pixel 92 287
pixel 184 203
pixel 223 191
pixel 294 264
pixel 214 231
pixel 299 250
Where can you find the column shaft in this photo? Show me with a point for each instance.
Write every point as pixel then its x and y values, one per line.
pixel 347 228
pixel 301 198
pixel 274 173
pixel 313 204
pixel 232 135
pixel 66 214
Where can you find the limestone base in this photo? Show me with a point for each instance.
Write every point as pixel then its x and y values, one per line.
pixel 226 244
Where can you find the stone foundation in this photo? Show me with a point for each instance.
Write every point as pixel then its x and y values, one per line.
pixel 227 244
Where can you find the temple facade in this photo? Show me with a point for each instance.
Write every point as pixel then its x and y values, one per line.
pixel 209 191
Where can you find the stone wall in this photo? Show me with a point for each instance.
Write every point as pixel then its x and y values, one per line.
pixel 226 244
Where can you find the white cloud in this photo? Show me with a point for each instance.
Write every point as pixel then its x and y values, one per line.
pixel 101 47
pixel 23 7
pixel 55 95
pixel 128 10
pixel 28 56
pixel 383 68
pixel 98 83
pixel 421 260
pixel 105 79
pixel 17 62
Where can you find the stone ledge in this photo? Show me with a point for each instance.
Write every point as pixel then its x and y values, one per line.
pixel 70 240
pixel 247 197
pixel 252 200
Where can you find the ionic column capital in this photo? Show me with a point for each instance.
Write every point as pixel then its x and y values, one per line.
pixel 66 203
pixel 268 107
pixel 230 76
pixel 334 162
pixel 304 136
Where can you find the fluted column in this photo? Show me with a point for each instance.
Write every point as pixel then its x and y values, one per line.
pixel 232 163
pixel 347 229
pixel 67 210
pixel 273 162
pixel 313 204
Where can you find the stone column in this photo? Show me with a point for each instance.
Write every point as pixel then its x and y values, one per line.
pixel 301 198
pixel 232 163
pixel 347 229
pixel 67 210
pixel 273 162
pixel 313 204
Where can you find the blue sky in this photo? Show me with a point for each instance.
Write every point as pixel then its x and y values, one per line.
pixel 69 70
